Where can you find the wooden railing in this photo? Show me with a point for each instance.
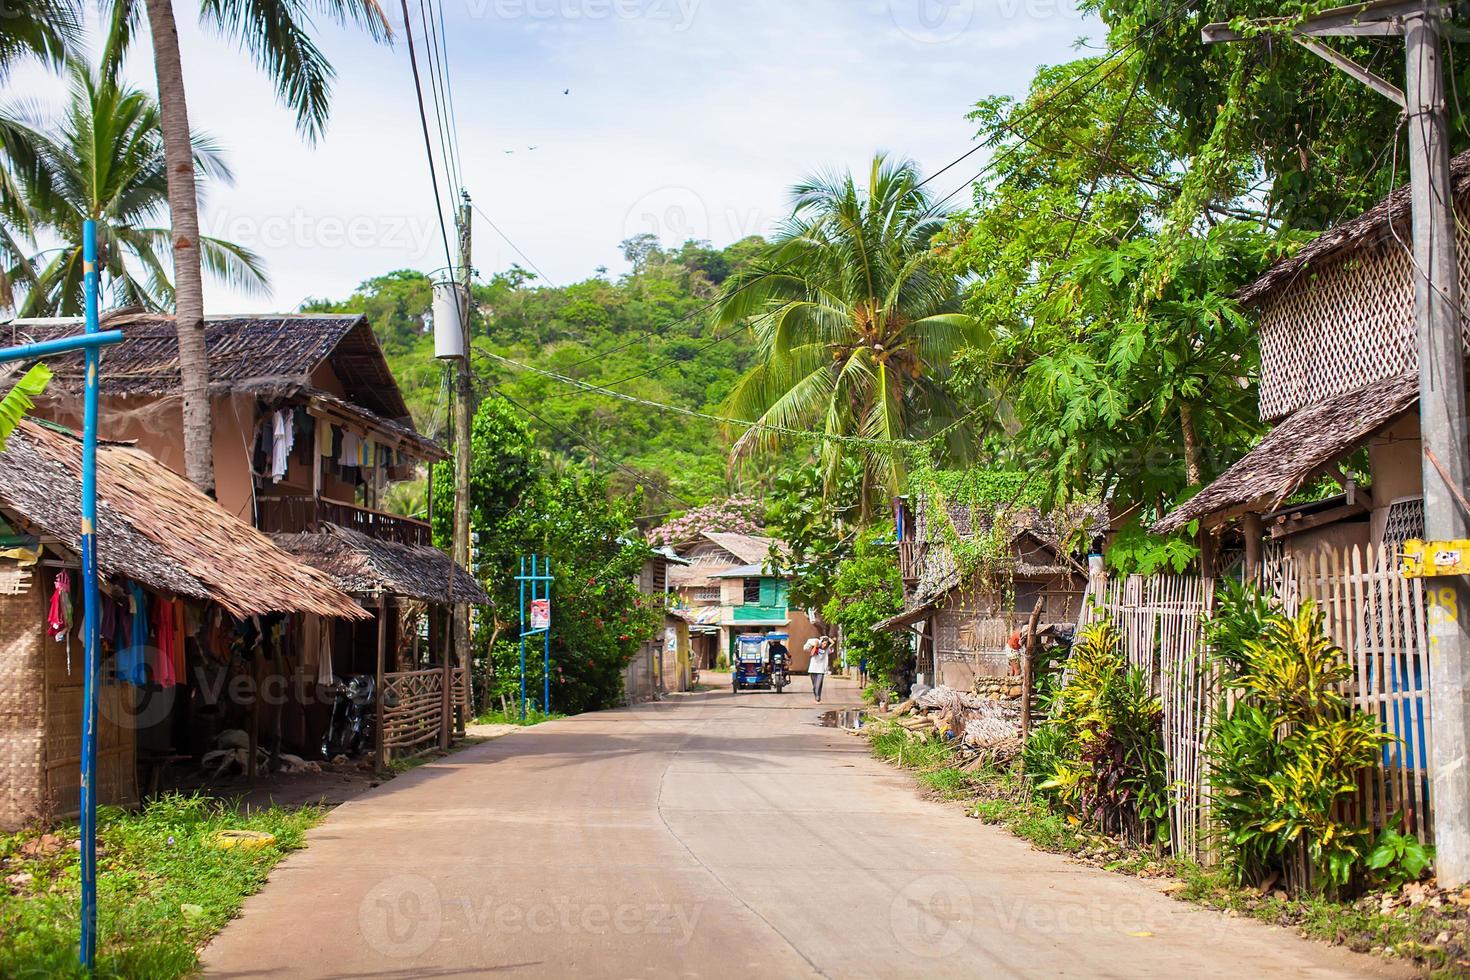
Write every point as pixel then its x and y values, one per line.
pixel 911 559
pixel 301 513
pixel 413 712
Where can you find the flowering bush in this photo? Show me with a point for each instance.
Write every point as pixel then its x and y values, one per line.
pixel 738 515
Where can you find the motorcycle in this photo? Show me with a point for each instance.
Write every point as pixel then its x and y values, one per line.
pixel 353 710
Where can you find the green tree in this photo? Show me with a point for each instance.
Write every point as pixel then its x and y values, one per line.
pixel 866 590
pixel 856 324
pixel 518 507
pixel 818 527
pixel 104 161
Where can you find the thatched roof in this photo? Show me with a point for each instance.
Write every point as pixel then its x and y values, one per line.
pixel 1296 450
pixel 277 392
pixel 1374 226
pixel 241 349
pixel 369 566
pixel 154 527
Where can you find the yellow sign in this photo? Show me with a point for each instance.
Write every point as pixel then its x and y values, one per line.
pixel 1425 559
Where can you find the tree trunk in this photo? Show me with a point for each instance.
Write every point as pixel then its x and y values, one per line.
pixel 183 204
pixel 1192 469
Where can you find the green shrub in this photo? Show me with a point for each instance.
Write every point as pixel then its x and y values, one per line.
pixel 1289 750
pixel 1099 756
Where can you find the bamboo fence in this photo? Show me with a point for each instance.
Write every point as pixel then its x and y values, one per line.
pixel 413 712
pixel 1369 609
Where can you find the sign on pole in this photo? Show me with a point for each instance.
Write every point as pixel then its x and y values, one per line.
pixel 540 614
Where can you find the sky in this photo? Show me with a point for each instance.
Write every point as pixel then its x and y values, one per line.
pixel 583 122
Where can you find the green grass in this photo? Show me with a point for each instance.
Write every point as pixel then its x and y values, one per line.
pixel 163 888
pixel 513 717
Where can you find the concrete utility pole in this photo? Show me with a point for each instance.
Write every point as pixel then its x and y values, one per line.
pixel 1442 423
pixel 463 418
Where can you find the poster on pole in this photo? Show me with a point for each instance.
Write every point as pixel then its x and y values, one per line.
pixel 540 614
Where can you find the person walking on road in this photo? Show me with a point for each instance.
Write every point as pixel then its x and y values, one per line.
pixel 821 655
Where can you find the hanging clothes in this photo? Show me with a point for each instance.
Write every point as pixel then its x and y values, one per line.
pixel 164 629
pixel 351 449
pixel 59 616
pixel 324 436
pixel 180 667
pixel 132 638
pixel 283 437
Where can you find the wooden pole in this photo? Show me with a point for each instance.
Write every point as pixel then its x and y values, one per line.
pixel 1028 668
pixel 1251 527
pixel 380 745
pixel 446 702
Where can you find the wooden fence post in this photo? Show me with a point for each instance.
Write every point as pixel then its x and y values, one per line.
pixel 1028 670
pixel 381 754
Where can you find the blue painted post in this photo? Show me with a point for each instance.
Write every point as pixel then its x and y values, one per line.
pixel 546 641
pixel 88 951
pixel 523 629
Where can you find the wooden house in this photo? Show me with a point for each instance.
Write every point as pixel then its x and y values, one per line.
pixel 733 585
pixel 662 662
pixel 1339 385
pixel 173 552
pixel 310 429
pixel 962 622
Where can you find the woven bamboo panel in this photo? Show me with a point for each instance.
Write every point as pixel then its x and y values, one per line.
pixel 413 712
pixel 1342 326
pixel 22 708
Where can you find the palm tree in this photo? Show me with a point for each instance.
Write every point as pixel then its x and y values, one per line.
pixel 277 35
pixel 856 324
pixel 48 30
pixel 104 161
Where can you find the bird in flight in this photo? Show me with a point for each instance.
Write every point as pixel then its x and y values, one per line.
pixel 566 91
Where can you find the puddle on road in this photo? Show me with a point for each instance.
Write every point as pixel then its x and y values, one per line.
pixel 852 718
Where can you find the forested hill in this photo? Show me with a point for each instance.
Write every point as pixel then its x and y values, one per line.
pixel 646 330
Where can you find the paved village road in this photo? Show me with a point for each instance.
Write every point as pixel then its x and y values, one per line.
pixel 708 836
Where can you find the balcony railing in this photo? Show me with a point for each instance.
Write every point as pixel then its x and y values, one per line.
pixel 297 514
pixel 911 559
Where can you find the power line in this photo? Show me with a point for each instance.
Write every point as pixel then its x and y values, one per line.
pixel 418 92
pixel 534 267
pixel 441 117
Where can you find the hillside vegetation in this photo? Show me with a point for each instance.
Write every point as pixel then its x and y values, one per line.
pixel 646 334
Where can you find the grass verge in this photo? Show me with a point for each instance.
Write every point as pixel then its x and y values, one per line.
pixel 163 886
pixel 513 717
pixel 1429 929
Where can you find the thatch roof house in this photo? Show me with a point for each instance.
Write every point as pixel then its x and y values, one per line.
pixel 963 620
pixel 1339 373
pixel 310 429
pixel 153 529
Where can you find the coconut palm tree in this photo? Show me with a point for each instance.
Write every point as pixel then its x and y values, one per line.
pixel 277 33
pixel 103 160
pixel 856 324
pixel 48 30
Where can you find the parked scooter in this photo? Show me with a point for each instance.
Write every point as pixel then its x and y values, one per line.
pixel 353 711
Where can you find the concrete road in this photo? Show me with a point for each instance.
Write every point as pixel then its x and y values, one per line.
pixel 709 836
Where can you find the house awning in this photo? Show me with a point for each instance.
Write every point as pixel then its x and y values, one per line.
pixel 909 616
pixel 1295 451
pixel 364 565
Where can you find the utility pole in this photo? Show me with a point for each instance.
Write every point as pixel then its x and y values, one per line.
pixel 463 416
pixel 1442 425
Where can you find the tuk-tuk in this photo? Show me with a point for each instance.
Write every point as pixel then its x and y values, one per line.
pixel 759 662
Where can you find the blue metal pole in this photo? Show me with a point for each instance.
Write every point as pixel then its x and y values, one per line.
pixel 88 950
pixel 546 640
pixel 523 635
pixel 62 345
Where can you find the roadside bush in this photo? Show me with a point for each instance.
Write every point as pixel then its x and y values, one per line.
pixel 1288 751
pixel 1099 756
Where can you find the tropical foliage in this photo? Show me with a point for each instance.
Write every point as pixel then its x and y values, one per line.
pixel 865 590
pixel 103 161
pixel 520 505
pixel 21 398
pixel 1099 756
pixel 856 326
pixel 1289 750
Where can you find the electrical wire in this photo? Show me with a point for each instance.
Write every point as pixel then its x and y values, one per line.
pixel 433 55
pixel 418 91
pixel 534 267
